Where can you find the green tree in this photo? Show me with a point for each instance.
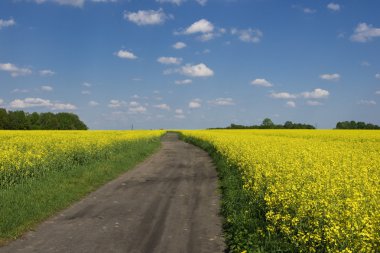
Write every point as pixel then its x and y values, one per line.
pixel 267 123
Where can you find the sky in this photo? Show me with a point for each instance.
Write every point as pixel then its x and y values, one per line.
pixel 192 64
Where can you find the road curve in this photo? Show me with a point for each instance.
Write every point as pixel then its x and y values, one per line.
pixel 169 203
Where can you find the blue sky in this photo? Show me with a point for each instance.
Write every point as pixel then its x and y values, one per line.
pixel 192 63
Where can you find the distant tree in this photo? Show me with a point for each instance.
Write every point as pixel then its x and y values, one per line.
pixel 34 121
pixel 267 123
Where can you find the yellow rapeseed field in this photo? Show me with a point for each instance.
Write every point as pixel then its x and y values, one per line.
pixel 320 189
pixel 26 154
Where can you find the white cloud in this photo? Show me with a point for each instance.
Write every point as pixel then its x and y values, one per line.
pixel 282 95
pixel 309 10
pixel 313 103
pixel 201 26
pixel 291 104
pixel 162 107
pixel 169 60
pixel 86 84
pixel 316 93
pixel 377 76
pixel 333 6
pixel 261 82
pixel 114 103
pixel 179 45
pixel 222 101
pixel 46 88
pixel 1 101
pixel 365 64
pixel 330 77
pixel 377 92
pixel 177 2
pixel 195 103
pixel 202 2
pixel 93 103
pixel 179 111
pixel 104 1
pixel 183 82
pixel 147 17
pixel 365 33
pixel 86 92
pixel 199 70
pixel 124 54
pixel 179 114
pixel 75 3
pixel 137 109
pixel 46 72
pixel 14 70
pixel 7 23
pixel 20 91
pixel 39 102
pixel 248 35
pixel 367 102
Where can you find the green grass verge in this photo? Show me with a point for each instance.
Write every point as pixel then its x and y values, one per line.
pixel 244 223
pixel 25 205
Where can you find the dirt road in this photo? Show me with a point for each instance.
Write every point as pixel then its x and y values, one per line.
pixel 167 204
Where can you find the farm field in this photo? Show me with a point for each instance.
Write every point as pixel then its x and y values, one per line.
pixel 297 190
pixel 42 172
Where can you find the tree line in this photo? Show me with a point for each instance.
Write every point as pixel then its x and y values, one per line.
pixel 20 120
pixel 268 124
pixel 356 125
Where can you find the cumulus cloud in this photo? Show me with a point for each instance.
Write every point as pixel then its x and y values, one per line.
pixel 202 2
pixel 114 103
pixel 46 72
pixel 367 102
pixel 169 60
pixel 248 35
pixel 86 84
pixel 179 45
pixel 377 92
pixel 291 104
pixel 86 92
pixel 313 103
pixel 162 107
pixel 316 93
pixel 183 82
pixel 20 91
pixel 282 95
pixel 330 77
pixel 7 23
pixel 195 103
pixel 124 54
pixel 75 3
pixel 177 2
pixel 377 76
pixel 200 26
pixel 39 102
pixel 147 17
pixel 261 82
pixel 309 10
pixel 364 33
pixel 93 103
pixel 46 88
pixel 14 70
pixel 199 70
pixel 222 101
pixel 333 7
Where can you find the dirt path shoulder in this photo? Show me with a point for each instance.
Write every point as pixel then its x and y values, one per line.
pixel 169 203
